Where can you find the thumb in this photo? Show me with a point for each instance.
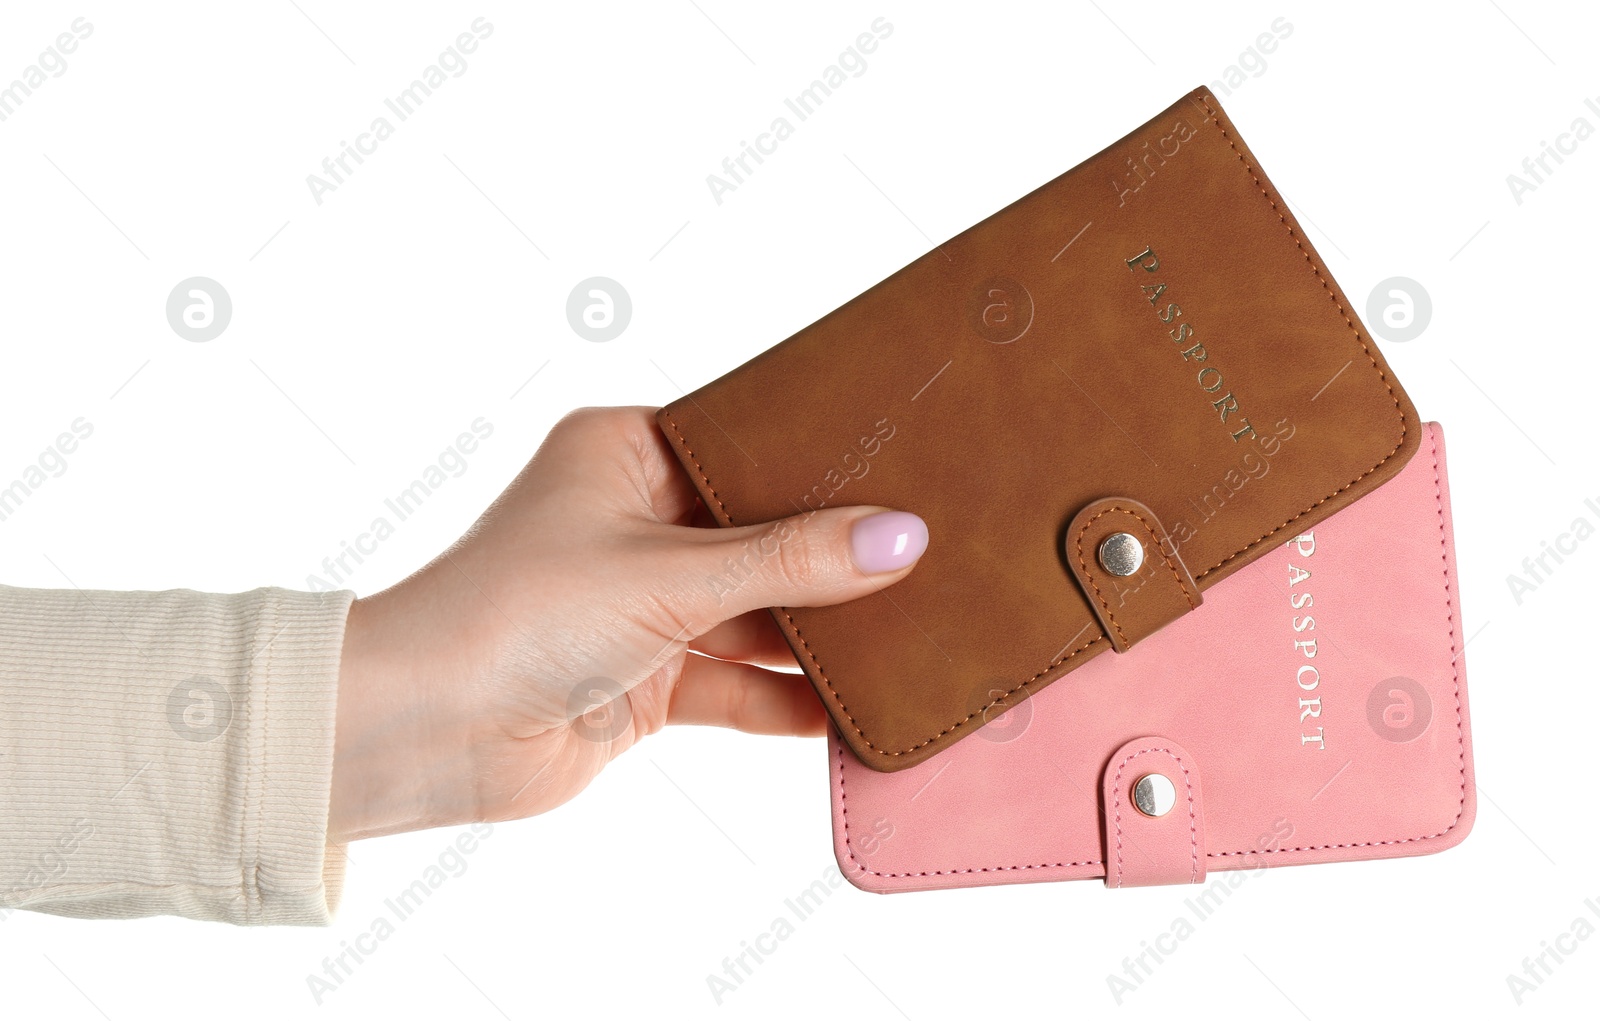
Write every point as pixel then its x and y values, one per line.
pixel 813 559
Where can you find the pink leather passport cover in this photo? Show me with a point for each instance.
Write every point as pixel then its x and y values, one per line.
pixel 1219 703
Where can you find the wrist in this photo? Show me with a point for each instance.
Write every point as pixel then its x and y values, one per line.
pixel 394 758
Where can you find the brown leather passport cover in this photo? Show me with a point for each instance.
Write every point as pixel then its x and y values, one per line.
pixel 1147 344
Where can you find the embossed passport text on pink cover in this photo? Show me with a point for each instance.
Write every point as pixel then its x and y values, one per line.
pixel 1313 710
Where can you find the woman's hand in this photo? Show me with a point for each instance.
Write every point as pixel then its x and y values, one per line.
pixel 583 611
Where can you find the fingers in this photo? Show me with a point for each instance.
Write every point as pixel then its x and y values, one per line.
pixel 812 559
pixel 751 637
pixel 683 580
pixel 613 459
pixel 715 693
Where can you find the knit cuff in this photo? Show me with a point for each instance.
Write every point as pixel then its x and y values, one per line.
pixel 169 753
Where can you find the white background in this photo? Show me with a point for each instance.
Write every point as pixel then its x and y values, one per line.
pixel 424 292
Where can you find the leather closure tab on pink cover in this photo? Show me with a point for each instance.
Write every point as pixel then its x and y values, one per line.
pixel 1132 606
pixel 1142 850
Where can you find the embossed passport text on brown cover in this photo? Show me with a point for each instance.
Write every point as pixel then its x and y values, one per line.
pixel 1103 399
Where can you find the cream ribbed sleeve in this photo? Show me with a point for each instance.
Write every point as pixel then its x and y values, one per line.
pixel 169 753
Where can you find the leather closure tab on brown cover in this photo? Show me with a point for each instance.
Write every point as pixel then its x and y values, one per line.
pixel 1133 607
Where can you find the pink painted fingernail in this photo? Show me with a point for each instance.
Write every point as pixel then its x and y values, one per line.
pixel 888 541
